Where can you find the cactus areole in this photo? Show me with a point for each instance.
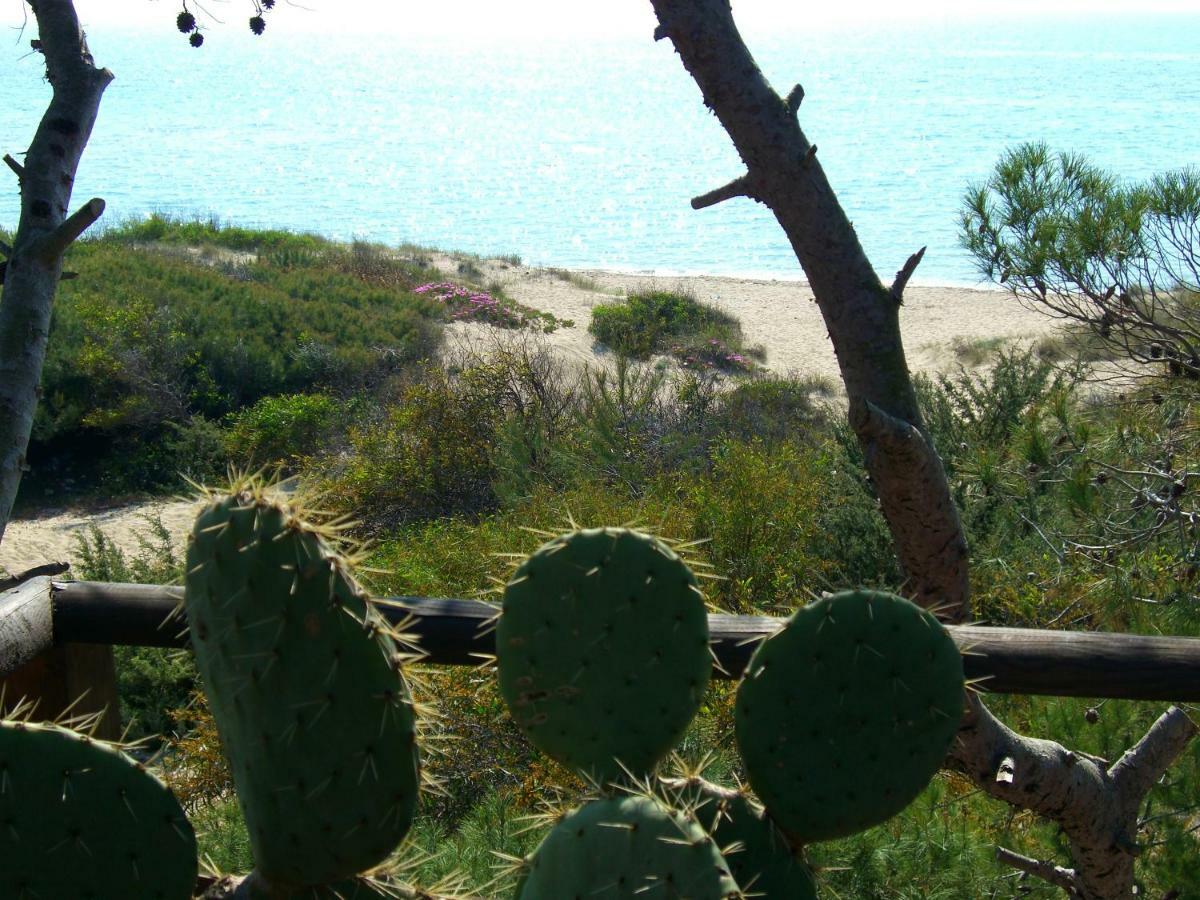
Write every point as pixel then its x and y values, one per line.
pixel 603 650
pixel 305 684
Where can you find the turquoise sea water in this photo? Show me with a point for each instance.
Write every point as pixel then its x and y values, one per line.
pixel 586 153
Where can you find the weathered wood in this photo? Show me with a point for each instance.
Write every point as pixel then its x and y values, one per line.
pixel 35 669
pixel 455 632
pixel 26 623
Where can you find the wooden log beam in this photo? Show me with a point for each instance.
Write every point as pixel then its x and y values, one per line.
pixel 454 632
pixel 79 677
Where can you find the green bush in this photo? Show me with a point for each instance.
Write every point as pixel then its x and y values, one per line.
pixel 151 681
pixel 700 336
pixel 756 509
pixel 158 228
pixel 773 408
pixel 430 453
pixel 282 429
pixel 145 341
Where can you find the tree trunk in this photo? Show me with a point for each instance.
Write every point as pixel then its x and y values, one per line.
pixel 1094 803
pixel 863 316
pixel 44 231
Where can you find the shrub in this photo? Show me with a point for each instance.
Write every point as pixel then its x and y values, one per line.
pixel 144 342
pixel 698 335
pixel 773 408
pixel 165 229
pixel 757 510
pixel 430 453
pixel 151 681
pixel 282 429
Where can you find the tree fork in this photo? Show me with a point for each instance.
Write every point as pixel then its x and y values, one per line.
pixel 1091 803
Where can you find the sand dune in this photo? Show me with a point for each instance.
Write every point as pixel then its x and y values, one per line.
pixel 779 315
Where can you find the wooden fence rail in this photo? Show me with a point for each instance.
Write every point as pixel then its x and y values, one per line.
pixel 43 613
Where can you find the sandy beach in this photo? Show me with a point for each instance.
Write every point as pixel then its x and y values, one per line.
pixel 780 315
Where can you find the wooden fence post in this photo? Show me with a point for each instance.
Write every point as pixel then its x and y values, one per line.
pixel 54 676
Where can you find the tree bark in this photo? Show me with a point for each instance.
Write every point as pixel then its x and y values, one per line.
pixel 1095 804
pixel 784 173
pixel 44 231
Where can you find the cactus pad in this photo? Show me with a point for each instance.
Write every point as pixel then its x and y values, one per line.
pixel 760 858
pixel 630 846
pixel 846 713
pixel 603 650
pixel 80 819
pixel 305 684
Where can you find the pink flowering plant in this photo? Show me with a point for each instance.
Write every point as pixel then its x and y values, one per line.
pixel 468 304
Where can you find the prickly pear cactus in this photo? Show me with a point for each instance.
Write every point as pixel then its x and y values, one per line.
pixel 760 858
pixel 629 846
pixel 305 684
pixel 846 713
pixel 603 650
pixel 80 819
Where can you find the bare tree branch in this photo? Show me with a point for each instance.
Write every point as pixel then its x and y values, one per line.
pixel 1043 869
pixel 33 269
pixel 859 312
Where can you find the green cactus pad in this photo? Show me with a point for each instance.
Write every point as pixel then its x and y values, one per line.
pixel 846 713
pixel 80 819
pixel 603 650
pixel 305 684
pixel 760 858
pixel 631 846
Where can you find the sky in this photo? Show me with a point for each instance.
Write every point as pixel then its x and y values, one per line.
pixel 578 17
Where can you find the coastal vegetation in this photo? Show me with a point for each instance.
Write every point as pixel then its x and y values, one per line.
pixel 697 335
pixel 1044 505
pixel 447 466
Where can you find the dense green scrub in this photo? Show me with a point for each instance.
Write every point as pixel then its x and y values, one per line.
pixel 448 467
pixel 170 329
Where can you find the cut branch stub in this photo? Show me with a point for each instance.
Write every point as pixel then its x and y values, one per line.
pixel 739 187
pixel 905 273
pixel 50 247
pixel 794 99
pixel 17 168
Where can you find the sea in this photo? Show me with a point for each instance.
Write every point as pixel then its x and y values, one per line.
pixel 585 152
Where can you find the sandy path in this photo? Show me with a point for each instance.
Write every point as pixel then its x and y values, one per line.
pixel 779 315
pixel 52 537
